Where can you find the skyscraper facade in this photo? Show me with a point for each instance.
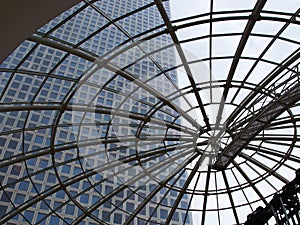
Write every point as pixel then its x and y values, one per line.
pixel 74 136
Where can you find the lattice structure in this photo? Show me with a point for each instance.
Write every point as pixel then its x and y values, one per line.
pixel 151 112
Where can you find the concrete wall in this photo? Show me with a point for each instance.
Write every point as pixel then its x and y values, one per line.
pixel 20 18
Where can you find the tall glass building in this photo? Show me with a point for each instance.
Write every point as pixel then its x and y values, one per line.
pixel 85 135
pixel 142 112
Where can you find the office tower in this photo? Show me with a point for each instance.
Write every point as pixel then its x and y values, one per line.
pixel 72 151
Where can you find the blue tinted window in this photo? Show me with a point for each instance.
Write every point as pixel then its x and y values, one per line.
pixel 184 205
pixel 66 169
pixel 43 163
pixel 11 93
pixel 2 141
pixel 45 120
pixel 68 157
pixel 40 176
pixel 15 85
pixel 2 210
pixel 163 213
pixel 51 178
pixel 29 215
pixel 44 205
pixel 109 102
pixel 31 162
pixel 75 185
pixel 105 215
pixel 68 117
pixel 129 207
pixel 187 219
pixel 35 117
pixel 60 194
pixel 70 209
pixel 38 187
pixel 77 170
pixel 63 134
pixel 6 196
pixel 39 139
pixel 110 95
pixel 117 218
pixel 28 137
pixel 8 154
pixel 24 185
pixel 108 189
pixel 176 216
pixel 84 198
pixel 16 169
pixel 54 220
pixel 85 185
pixel 21 95
pixel 13 144
pixel 95 199
pixel 40 216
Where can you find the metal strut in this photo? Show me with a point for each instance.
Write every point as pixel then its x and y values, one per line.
pixel 259 121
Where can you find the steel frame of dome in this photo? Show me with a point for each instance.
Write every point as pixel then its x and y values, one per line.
pixel 263 144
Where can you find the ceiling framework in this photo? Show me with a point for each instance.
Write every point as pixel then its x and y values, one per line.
pixel 220 141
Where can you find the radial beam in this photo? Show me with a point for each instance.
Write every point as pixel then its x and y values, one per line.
pixel 183 190
pixel 171 29
pixel 204 211
pixel 255 16
pixel 258 122
pixel 230 197
pixel 250 182
pixel 265 167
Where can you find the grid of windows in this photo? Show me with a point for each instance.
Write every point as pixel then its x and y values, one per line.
pixel 47 77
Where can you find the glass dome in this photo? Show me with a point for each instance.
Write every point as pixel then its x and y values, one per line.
pixel 151 112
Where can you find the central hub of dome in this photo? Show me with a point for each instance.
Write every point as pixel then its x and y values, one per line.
pixel 209 138
pixel 216 139
pixel 209 144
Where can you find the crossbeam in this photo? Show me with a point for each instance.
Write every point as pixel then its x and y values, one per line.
pixel 258 122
